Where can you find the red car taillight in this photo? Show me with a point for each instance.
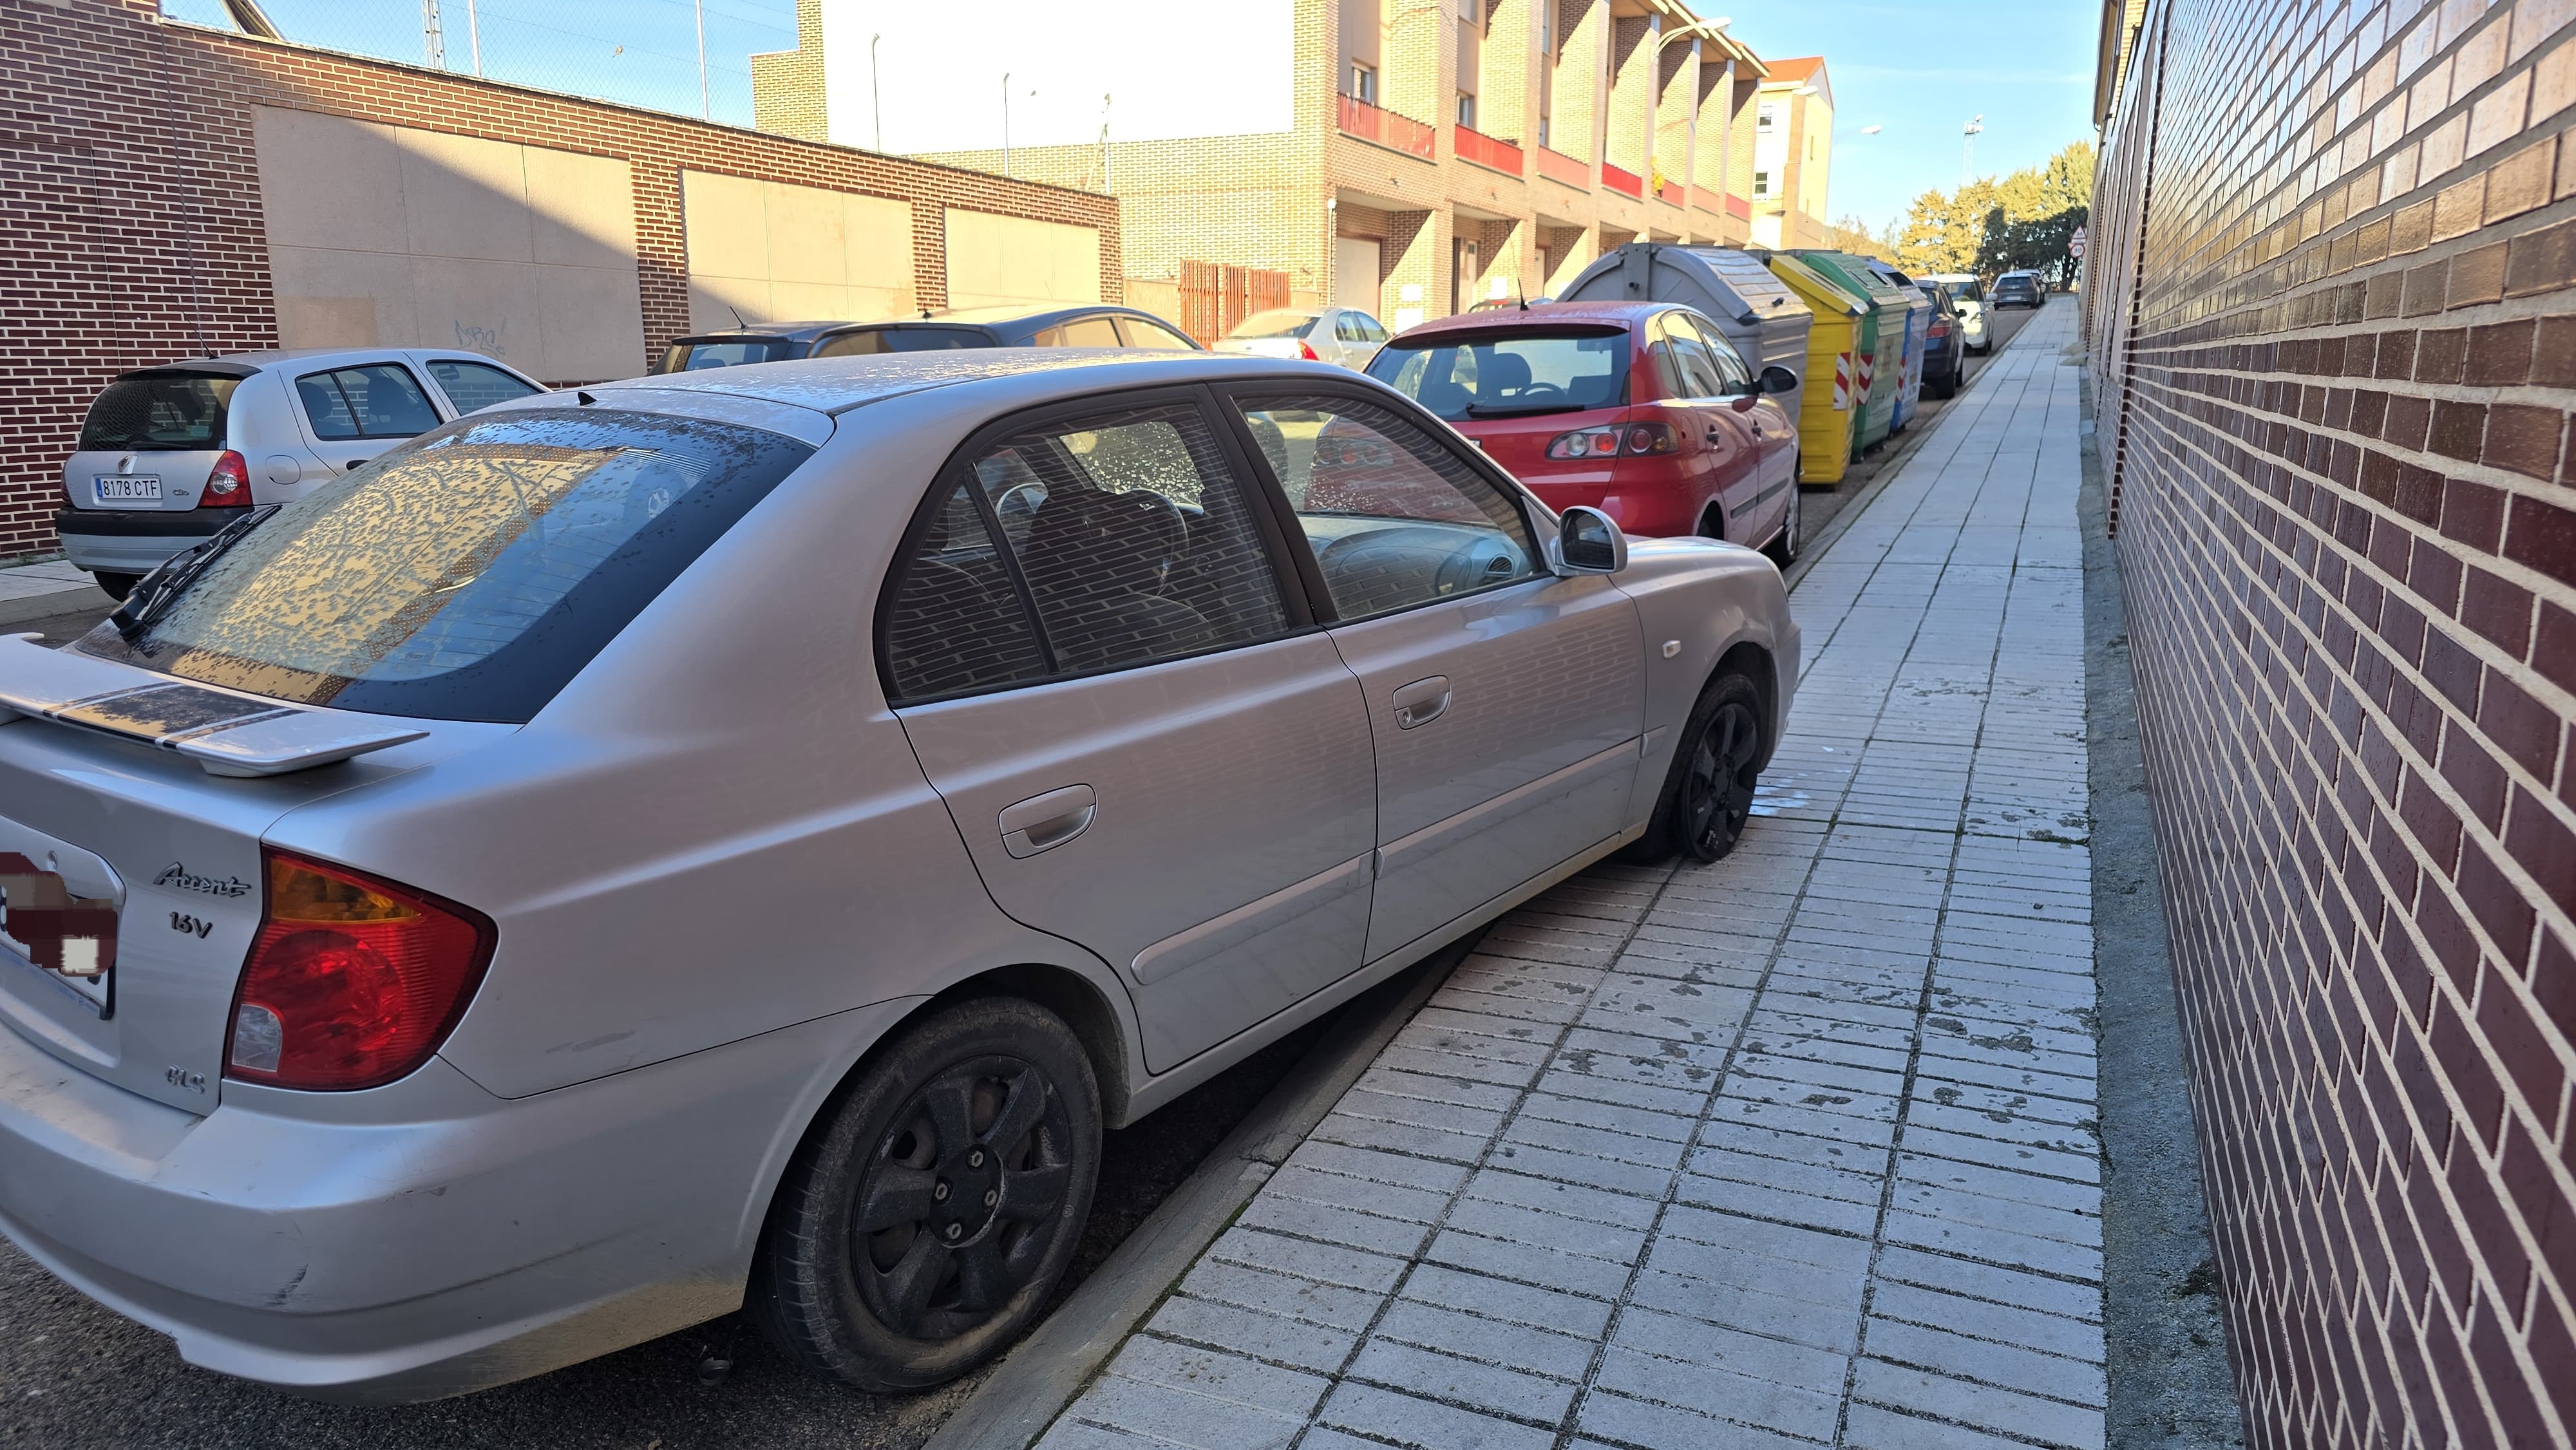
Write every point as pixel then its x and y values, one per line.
pixel 352 981
pixel 228 487
pixel 1306 350
pixel 1940 328
pixel 1632 439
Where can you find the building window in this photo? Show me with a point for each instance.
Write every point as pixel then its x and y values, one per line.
pixel 1363 83
pixel 1542 130
pixel 1762 183
pixel 1467 109
pixel 1547 27
pixel 1763 119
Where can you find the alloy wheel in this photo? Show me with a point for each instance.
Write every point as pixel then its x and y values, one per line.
pixel 1717 792
pixel 957 1206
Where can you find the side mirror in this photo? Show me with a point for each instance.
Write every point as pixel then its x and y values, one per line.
pixel 1777 379
pixel 1588 541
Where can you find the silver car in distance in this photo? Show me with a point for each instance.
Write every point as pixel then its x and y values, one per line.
pixel 734 840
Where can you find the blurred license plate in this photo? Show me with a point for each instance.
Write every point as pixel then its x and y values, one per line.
pixel 129 488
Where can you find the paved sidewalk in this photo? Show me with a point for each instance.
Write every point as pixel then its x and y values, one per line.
pixel 33 591
pixel 1796 1149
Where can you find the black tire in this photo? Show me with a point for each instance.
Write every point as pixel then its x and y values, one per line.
pixel 1695 816
pixel 973 1142
pixel 116 586
pixel 1784 545
pixel 1948 387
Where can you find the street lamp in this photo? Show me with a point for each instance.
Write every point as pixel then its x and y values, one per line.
pixel 1705 29
pixel 1968 145
pixel 876 91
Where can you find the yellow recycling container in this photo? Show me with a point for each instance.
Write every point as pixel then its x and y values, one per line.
pixel 1835 346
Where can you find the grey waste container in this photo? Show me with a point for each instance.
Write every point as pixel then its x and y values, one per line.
pixel 1755 309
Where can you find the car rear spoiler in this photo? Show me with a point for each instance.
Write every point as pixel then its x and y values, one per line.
pixel 226 733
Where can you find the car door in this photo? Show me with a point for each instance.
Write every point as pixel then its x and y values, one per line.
pixel 1146 743
pixel 1723 454
pixel 1773 433
pixel 1504 703
pixel 471 383
pixel 353 411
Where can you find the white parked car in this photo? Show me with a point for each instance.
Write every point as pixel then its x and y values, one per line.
pixel 170 454
pixel 1343 335
pixel 734 839
pixel 1969 296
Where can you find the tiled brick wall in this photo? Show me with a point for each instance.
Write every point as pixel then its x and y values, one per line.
pixel 131 222
pixel 2334 331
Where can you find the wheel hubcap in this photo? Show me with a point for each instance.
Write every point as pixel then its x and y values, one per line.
pixel 959 1202
pixel 1717 793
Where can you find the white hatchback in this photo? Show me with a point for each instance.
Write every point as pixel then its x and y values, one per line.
pixel 1343 335
pixel 170 454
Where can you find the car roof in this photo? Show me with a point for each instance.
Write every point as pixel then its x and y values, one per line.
pixel 1036 316
pixel 838 384
pixel 1542 314
pixel 795 331
pixel 244 364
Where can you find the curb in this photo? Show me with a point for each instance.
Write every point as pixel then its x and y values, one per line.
pixel 1044 1372
pixel 60 601
pixel 1895 464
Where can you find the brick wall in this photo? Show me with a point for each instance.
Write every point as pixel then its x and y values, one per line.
pixel 2334 330
pixel 134 231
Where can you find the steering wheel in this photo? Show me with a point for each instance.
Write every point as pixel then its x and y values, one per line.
pixel 1537 392
pixel 1004 506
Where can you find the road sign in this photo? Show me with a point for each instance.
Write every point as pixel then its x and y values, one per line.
pixel 2075 245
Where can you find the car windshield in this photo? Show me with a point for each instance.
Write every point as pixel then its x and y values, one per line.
pixel 690 354
pixel 902 339
pixel 1963 290
pixel 467 576
pixel 1263 326
pixel 1561 371
pixel 159 412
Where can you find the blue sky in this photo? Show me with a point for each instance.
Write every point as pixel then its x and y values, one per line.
pixel 1917 70
pixel 1920 71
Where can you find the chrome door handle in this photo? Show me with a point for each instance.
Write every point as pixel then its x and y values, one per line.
pixel 1421 702
pixel 1045 821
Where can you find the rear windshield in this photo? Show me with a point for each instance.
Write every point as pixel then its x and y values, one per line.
pixel 1261 326
pixel 467 576
pixel 902 339
pixel 164 412
pixel 1503 377
pixel 688 355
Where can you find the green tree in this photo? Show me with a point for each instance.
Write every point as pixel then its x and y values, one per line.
pixel 2022 221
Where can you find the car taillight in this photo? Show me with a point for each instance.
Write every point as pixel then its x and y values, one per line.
pixel 1632 439
pixel 1306 350
pixel 228 487
pixel 1940 328
pixel 353 981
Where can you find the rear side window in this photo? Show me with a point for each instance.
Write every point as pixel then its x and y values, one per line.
pixel 163 412
pixel 472 385
pixel 1153 335
pixel 879 340
pixel 726 352
pixel 379 401
pixel 470 576
pixel 1128 533
pixel 1087 332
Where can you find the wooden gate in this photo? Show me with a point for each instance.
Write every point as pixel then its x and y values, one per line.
pixel 1215 298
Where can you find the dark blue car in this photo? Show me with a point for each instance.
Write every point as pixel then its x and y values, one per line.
pixel 1085 325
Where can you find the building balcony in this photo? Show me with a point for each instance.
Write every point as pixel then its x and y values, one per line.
pixel 1738 207
pixel 1703 199
pixel 1387 129
pixel 1489 152
pixel 1671 193
pixel 1557 166
pixel 1626 183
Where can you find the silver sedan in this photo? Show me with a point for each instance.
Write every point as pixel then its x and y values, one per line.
pixel 736 839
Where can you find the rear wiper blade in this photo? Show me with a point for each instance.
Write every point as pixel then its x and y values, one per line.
pixel 153 593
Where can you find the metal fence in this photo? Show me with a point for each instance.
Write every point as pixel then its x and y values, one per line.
pixel 1216 298
pixel 688 57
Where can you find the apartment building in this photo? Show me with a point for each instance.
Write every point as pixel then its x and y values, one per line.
pixel 1410 157
pixel 1793 150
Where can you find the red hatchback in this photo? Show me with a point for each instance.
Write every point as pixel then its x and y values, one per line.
pixel 1641 410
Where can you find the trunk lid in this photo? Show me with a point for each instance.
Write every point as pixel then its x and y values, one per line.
pixel 152 436
pixel 1520 446
pixel 93 824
